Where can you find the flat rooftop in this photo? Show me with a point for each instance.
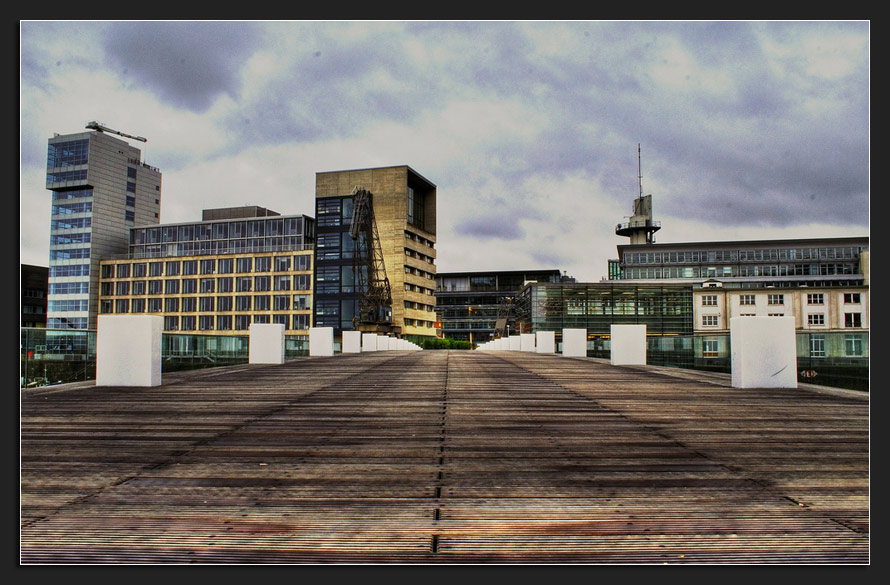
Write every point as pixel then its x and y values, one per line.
pixel 444 457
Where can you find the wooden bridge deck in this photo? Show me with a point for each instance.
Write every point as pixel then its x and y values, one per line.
pixel 438 457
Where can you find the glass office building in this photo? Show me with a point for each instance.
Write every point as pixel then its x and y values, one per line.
pixel 100 189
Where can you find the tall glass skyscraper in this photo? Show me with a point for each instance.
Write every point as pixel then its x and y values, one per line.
pixel 100 189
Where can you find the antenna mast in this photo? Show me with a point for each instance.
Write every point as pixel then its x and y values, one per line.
pixel 640 168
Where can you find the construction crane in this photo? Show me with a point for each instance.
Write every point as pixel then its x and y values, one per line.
pixel 375 304
pixel 506 313
pixel 97 126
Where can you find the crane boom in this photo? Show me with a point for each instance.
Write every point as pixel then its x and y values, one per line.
pixel 97 126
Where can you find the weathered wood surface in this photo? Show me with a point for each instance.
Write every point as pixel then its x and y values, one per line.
pixel 437 457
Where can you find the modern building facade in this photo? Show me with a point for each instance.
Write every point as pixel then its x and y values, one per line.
pixel 666 310
pixel 820 262
pixel 100 189
pixel 469 303
pixel 34 281
pixel 239 266
pixel 831 321
pixel 404 207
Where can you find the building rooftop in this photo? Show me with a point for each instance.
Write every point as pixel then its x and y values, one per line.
pixel 438 457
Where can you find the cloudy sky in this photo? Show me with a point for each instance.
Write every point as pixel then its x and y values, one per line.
pixel 529 130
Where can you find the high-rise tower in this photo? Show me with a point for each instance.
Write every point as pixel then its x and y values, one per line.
pixel 640 227
pixel 100 189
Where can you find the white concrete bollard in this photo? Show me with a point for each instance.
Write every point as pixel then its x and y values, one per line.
pixel 514 343
pixel 545 342
pixel 266 343
pixel 763 352
pixel 128 350
pixel 628 345
pixel 527 342
pixel 321 341
pixel 351 342
pixel 574 342
pixel 369 342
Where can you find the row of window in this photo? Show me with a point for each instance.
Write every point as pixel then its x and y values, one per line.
pixel 221 284
pixel 232 322
pixel 853 346
pixel 759 255
pixel 851 320
pixel 300 262
pixel 778 299
pixel 207 304
pixel 227 230
pixel 743 270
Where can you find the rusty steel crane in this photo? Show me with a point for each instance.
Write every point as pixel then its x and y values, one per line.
pixel 375 304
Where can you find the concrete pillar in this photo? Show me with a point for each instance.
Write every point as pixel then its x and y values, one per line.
pixel 545 342
pixel 527 342
pixel 763 352
pixel 321 341
pixel 351 342
pixel 574 342
pixel 628 345
pixel 266 343
pixel 369 342
pixel 514 343
pixel 128 350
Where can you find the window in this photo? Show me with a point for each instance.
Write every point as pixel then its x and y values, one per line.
pixel 282 263
pixel 154 305
pixel 123 271
pixel 746 299
pixel 224 284
pixel 208 266
pixel 243 264
pixel 709 300
pixel 187 323
pixel 171 305
pixel 302 302
pixel 261 303
pixel 171 323
pixel 301 321
pixel 852 319
pixel 205 304
pixel 853 345
pixel 262 264
pixel 776 299
pixel 172 268
pixel 225 266
pixel 189 305
pixel 851 298
pixel 709 320
pixel 262 283
pixel 709 347
pixel 816 319
pixel 282 282
pixel 815 299
pixel 189 285
pixel 122 288
pixel 243 284
pixel 157 268
pixel 223 304
pixel 817 346
pixel 190 267
pixel 242 322
pixel 155 287
pixel 302 282
pixel 223 322
pixel 281 302
pixel 207 285
pixel 242 303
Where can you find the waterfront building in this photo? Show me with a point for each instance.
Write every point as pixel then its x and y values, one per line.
pixel 831 321
pixel 469 303
pixel 820 262
pixel 665 309
pixel 237 266
pixel 100 189
pixel 404 207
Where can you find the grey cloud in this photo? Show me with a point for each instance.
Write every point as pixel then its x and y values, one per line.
pixel 490 227
pixel 187 64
